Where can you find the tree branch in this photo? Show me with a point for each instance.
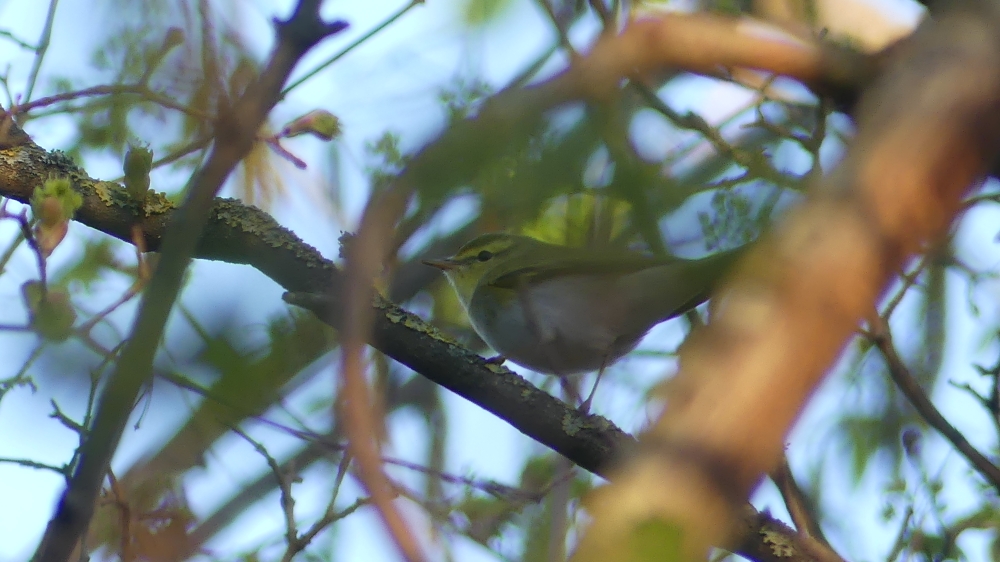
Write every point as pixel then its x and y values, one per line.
pixel 234 137
pixel 881 336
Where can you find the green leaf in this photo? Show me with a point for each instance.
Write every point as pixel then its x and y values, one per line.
pixel 487 517
pixel 51 313
pixel 60 190
pixel 318 122
pixel 478 13
pixel 96 258
pixel 137 165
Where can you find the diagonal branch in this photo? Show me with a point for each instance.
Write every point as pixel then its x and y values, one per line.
pixel 881 336
pixel 234 137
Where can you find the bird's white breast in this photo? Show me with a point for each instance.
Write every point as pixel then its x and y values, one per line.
pixel 563 326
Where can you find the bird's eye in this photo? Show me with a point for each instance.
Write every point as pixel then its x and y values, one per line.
pixel 485 255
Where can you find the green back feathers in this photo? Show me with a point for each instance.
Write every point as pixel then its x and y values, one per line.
pixel 511 261
pixel 531 261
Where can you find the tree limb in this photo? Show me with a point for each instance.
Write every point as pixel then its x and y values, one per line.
pixel 901 375
pixel 234 137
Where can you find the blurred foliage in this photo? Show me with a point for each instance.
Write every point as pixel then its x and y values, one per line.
pixel 461 100
pixel 484 12
pixel 258 176
pixel 50 312
pixel 137 165
pixel 388 160
pixel 580 219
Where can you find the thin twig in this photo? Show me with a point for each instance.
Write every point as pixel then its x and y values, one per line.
pixel 28 463
pixel 20 43
pixel 388 21
pixel 125 514
pixel 284 479
pixel 882 338
pixel 129 294
pixel 141 90
pixel 754 163
pixel 607 18
pixel 802 512
pixel 901 538
pixel 564 41
pixel 909 279
pixel 330 515
pixel 28 236
pixel 43 47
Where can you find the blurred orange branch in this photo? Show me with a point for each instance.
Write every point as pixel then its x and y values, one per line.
pixel 928 130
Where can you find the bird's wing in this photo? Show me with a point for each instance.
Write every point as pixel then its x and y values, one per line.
pixel 575 265
pixel 664 292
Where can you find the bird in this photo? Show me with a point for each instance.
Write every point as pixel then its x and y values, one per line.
pixel 564 310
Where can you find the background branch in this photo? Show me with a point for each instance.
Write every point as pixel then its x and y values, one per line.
pixel 234 136
pixel 881 336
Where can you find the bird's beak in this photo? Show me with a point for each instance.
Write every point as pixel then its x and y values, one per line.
pixel 442 264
